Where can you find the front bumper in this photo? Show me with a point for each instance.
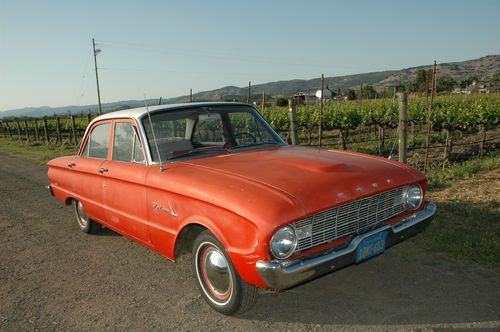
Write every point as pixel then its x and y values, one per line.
pixel 282 275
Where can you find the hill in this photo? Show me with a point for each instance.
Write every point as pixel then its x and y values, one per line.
pixel 483 68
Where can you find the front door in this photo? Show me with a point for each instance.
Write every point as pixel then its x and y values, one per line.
pixel 87 181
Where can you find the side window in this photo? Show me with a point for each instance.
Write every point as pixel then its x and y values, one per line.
pixel 208 130
pixel 126 145
pixel 247 129
pixel 98 143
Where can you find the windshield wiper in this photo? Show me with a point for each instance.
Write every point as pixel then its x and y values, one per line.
pixel 180 154
pixel 256 144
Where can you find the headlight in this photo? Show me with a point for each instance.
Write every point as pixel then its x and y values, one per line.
pixel 412 197
pixel 283 242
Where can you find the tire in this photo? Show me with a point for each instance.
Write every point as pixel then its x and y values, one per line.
pixel 83 221
pixel 219 283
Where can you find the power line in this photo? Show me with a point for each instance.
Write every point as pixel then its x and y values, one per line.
pixel 204 54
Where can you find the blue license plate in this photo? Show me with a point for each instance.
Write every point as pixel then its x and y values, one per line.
pixel 371 246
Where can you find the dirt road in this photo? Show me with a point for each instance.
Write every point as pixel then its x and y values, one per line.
pixel 54 277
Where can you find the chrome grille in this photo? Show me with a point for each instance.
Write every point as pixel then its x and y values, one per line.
pixel 350 218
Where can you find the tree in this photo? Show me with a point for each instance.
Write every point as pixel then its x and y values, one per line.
pixel 369 92
pixel 351 94
pixel 445 83
pixel 423 78
pixel 495 81
pixel 281 102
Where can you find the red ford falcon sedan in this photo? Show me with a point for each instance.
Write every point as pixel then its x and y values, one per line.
pixel 215 180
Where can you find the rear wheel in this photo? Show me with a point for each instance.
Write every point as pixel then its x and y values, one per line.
pixel 218 281
pixel 85 224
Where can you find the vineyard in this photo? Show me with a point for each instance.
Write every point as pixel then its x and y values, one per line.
pixel 462 127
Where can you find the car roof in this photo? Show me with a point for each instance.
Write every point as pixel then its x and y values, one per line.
pixel 138 113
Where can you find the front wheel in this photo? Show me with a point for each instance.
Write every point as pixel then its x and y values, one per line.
pixel 218 281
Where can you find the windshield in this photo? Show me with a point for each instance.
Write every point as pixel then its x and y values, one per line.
pixel 207 130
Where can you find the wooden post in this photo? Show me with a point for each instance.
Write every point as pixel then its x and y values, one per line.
pixel 26 130
pixel 429 122
pixel 73 129
pixel 159 102
pixel 360 96
pixel 249 89
pixel 58 130
pixel 483 141
pixel 37 136
pixel 8 129
pixel 292 111
pixel 45 130
pixel 190 95
pixel 321 111
pixel 263 101
pixel 403 126
pixel 18 129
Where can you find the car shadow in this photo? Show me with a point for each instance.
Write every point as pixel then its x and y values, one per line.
pixel 107 232
pixel 390 289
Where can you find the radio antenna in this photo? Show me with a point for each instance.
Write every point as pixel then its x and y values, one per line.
pixel 154 136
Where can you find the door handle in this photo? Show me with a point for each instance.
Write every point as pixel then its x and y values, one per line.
pixel 71 165
pixel 102 170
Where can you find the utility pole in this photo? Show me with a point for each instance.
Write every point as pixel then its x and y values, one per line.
pixel 96 75
pixel 190 95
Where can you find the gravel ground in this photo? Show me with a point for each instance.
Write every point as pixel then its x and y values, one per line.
pixel 54 277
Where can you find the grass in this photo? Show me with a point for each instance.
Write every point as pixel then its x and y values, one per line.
pixel 466 226
pixel 467 223
pixel 38 152
pixel 439 178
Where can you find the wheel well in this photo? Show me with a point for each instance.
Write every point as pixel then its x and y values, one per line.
pixel 184 242
pixel 69 201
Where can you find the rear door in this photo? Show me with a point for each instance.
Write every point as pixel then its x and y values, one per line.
pixel 124 177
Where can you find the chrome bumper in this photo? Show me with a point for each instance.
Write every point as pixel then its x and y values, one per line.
pixel 282 275
pixel 49 188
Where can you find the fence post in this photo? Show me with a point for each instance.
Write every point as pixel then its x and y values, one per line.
pixel 27 130
pixel 403 126
pixel 8 129
pixel 292 111
pixel 429 117
pixel 37 136
pixel 249 91
pixel 263 101
pixel 320 134
pixel 73 128
pixel 18 130
pixel 58 129
pixel 45 130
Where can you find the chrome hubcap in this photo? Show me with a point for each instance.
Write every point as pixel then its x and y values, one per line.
pixel 215 272
pixel 81 216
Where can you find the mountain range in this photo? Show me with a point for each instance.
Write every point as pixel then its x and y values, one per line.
pixel 483 68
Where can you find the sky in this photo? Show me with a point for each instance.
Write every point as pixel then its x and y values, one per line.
pixel 164 48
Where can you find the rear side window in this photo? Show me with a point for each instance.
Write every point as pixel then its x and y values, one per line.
pixel 98 143
pixel 126 145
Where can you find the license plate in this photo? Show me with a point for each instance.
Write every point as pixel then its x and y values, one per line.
pixel 371 246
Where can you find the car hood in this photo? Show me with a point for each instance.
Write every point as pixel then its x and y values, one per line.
pixel 313 178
